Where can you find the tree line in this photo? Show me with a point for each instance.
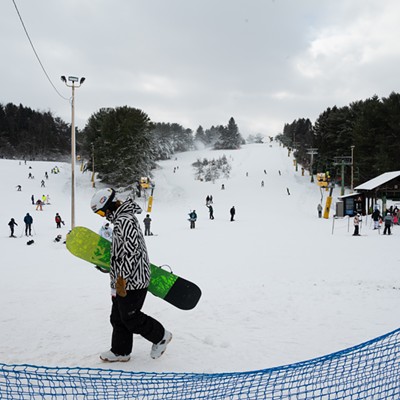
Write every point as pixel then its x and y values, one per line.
pixel 29 134
pixel 372 126
pixel 123 142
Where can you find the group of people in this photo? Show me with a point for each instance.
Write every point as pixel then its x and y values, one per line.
pixel 28 220
pixel 390 218
pixel 209 202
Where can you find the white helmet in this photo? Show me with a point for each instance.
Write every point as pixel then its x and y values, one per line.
pixel 101 200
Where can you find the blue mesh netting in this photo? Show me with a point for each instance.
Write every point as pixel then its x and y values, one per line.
pixel 367 371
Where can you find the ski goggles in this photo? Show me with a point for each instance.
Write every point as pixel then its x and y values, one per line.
pixel 101 213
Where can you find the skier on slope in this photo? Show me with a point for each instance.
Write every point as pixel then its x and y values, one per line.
pixel 388 220
pixel 129 279
pixel 12 224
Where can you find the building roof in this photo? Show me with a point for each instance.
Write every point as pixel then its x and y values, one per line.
pixel 378 181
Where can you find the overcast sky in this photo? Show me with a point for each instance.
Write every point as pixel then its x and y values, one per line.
pixel 200 62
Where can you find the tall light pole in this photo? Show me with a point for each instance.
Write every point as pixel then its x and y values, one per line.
pixel 352 168
pixel 74 84
pixel 93 180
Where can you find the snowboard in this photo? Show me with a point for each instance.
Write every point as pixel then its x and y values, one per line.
pixel 89 246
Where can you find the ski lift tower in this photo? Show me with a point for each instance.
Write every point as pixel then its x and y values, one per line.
pixel 312 152
pixel 342 161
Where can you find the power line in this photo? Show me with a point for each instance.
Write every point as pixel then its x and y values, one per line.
pixel 36 54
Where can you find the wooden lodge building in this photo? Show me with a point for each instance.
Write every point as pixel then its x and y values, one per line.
pixel 384 187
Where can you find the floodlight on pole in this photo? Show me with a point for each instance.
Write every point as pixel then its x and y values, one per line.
pixel 74 85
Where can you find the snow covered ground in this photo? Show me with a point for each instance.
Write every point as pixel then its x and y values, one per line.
pixel 278 286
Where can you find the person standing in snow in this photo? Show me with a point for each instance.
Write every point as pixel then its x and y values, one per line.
pixel 106 232
pixel 388 221
pixel 376 216
pixel 319 208
pixel 232 212
pixel 129 279
pixel 193 219
pixel 12 224
pixel 33 200
pixel 356 222
pixel 58 220
pixel 211 211
pixel 28 224
pixel 147 222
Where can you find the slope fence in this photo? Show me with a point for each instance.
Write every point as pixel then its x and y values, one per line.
pixel 368 371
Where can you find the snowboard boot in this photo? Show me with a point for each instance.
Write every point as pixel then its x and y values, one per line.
pixel 157 350
pixel 109 356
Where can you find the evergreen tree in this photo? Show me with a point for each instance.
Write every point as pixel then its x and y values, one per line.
pixel 123 146
pixel 229 137
pixel 200 135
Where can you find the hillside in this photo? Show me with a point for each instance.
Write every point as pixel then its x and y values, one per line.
pixel 278 286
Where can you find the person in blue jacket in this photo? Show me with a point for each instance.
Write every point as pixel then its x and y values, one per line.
pixel 28 224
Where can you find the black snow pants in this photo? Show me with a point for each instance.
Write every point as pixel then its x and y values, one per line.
pixel 127 318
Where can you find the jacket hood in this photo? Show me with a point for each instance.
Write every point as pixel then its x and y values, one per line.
pixel 128 207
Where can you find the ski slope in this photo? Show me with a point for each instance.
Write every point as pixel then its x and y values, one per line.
pixel 278 286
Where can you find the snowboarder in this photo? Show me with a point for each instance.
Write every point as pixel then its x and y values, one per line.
pixel 319 208
pixel 39 205
pixel 106 232
pixel 233 212
pixel 58 239
pixel 222 187
pixel 211 211
pixel 388 220
pixel 356 222
pixel 287 190
pixel 58 220
pixel 147 222
pixel 33 200
pixel 193 219
pixel 42 184
pixel 12 224
pixel 130 278
pixel 262 183
pixel 28 224
pixel 19 188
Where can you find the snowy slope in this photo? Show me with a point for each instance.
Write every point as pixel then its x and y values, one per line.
pixel 278 286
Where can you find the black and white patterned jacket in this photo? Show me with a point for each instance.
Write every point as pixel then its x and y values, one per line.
pixel 129 257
